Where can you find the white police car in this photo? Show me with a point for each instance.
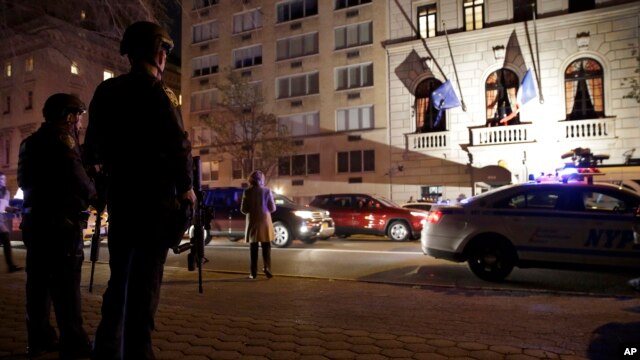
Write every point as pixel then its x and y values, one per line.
pixel 574 225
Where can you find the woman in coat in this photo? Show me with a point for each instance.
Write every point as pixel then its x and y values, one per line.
pixel 258 204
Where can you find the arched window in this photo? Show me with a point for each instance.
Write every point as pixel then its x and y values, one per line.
pixel 425 112
pixel 583 89
pixel 500 91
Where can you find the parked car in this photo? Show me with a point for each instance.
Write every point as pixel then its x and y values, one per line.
pixel 372 215
pixel 426 206
pixel 290 220
pixel 547 225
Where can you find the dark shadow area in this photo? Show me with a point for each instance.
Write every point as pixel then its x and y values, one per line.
pixel 609 340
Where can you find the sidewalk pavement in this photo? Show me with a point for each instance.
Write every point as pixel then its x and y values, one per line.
pixel 303 318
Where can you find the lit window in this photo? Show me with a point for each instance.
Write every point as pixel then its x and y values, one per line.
pixel 210 170
pixel 500 94
pixel 473 14
pixel 7 69
pixel 107 74
pixel 584 92
pixel 75 70
pixel 28 64
pixel 83 15
pixel 427 20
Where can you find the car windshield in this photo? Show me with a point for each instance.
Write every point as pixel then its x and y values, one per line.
pixel 281 199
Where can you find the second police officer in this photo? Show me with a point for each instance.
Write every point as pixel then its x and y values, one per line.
pixel 136 137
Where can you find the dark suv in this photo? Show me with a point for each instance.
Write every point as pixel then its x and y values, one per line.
pixel 372 215
pixel 290 220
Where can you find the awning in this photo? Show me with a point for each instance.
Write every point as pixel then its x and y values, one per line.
pixel 493 175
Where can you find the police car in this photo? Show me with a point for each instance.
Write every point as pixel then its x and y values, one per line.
pixel 548 225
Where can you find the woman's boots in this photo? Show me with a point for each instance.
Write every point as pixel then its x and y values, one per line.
pixel 266 259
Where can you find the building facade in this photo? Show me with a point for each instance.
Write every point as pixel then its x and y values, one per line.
pixel 578 53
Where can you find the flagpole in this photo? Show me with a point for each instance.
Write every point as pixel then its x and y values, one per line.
pixel 538 76
pixel 455 71
pixel 424 43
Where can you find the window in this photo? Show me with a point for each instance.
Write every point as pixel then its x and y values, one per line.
pixel 247 57
pixel 298 85
pixel 341 4
pixel 203 100
pixel 210 170
pixel 426 113
pixel 7 69
pixel 356 161
pixel 247 20
pixel 204 65
pixel 431 193
pixel 427 21
pixel 75 69
pixel 205 32
pixel 581 5
pixel 199 4
pixel 355 76
pixel 7 151
pixel 544 199
pixel 473 14
pixel 583 89
pixel 201 136
pixel 296 9
pixel 297 46
pixel 236 169
pixel 500 91
pixel 29 100
pixel 299 165
pixel 523 10
pixel 356 118
pixel 595 201
pixel 353 35
pixel 301 124
pixel 107 74
pixel 28 64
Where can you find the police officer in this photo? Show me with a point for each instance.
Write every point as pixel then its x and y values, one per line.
pixel 57 192
pixel 136 137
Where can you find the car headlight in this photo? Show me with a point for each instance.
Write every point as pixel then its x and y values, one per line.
pixel 305 214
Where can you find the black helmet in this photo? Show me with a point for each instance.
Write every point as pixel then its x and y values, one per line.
pixel 143 39
pixel 59 105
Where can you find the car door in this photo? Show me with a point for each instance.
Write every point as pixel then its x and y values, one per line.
pixel 605 234
pixel 538 225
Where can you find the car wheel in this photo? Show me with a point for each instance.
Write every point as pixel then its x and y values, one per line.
pixel 325 238
pixel 398 231
pixel 491 259
pixel 207 238
pixel 283 235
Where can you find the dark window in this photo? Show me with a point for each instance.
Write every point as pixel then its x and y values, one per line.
pixel 296 9
pixel 29 100
pixel 313 164
pixel 584 90
pixel 341 4
pixel 298 165
pixel 500 91
pixel 356 161
pixel 7 105
pixel 427 20
pixel 523 10
pixel 343 162
pixel 426 113
pixel 581 5
pixel 284 166
pixel 369 159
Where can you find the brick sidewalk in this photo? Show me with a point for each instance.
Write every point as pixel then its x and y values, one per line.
pixel 298 318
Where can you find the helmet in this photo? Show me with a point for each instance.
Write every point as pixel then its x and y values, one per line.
pixel 59 105
pixel 142 40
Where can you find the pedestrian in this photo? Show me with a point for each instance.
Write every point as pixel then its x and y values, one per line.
pixel 57 194
pixel 136 138
pixel 4 225
pixel 258 204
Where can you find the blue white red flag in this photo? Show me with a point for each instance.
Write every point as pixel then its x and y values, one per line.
pixel 526 93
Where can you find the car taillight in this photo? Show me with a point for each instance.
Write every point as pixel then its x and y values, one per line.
pixel 434 216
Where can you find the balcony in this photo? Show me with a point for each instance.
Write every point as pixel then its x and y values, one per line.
pixel 428 141
pixel 497 135
pixel 586 129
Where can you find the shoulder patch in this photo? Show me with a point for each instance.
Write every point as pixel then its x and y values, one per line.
pixel 172 97
pixel 68 140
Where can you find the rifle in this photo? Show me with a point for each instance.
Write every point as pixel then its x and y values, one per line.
pixel 196 243
pixel 100 181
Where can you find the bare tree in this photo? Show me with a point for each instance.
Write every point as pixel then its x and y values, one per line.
pixel 242 131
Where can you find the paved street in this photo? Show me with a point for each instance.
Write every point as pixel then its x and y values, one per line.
pixel 307 318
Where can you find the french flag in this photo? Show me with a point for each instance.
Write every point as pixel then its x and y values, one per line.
pixel 526 93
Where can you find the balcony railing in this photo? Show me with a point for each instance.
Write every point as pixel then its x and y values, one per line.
pixel 586 129
pixel 501 135
pixel 428 141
